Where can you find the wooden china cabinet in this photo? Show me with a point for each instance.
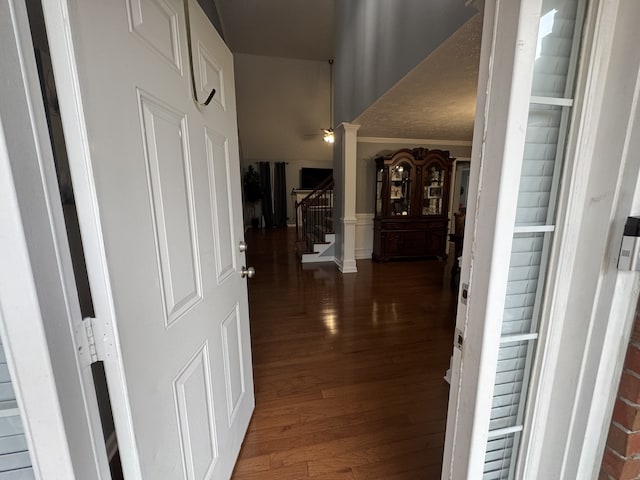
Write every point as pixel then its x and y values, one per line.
pixel 412 201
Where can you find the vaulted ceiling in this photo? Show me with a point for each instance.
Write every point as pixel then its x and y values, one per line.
pixel 436 100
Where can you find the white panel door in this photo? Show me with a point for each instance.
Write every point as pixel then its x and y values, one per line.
pixel 158 193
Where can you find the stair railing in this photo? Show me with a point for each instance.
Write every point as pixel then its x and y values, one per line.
pixel 314 216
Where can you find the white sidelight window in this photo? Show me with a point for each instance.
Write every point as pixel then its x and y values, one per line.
pixel 558 44
pixel 15 462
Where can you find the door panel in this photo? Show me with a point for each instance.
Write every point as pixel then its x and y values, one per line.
pixel 217 169
pixel 196 415
pixel 157 23
pixel 163 175
pixel 171 195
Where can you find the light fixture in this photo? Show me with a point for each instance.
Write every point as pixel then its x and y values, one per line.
pixel 328 134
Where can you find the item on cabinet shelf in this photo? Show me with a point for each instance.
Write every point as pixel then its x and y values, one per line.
pixel 435 192
pixel 412 191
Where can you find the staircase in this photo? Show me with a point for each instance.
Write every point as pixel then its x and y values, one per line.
pixel 315 238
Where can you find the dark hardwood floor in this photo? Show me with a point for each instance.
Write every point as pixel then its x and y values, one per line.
pixel 348 370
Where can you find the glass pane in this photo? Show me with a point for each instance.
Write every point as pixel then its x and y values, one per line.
pixel 433 190
pixel 379 176
pixel 498 457
pixel 523 283
pixel 400 193
pixel 555 48
pixel 539 164
pixel 510 375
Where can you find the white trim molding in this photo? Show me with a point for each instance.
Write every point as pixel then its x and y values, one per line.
pixel 364 235
pixel 40 312
pixel 416 141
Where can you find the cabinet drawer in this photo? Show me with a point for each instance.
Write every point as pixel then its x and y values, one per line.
pixel 405 244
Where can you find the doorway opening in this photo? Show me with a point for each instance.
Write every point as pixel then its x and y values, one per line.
pixel 58 146
pixel 349 369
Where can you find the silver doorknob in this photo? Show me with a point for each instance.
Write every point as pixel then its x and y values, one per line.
pixel 242 246
pixel 248 272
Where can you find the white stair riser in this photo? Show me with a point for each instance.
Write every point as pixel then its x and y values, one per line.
pixel 323 252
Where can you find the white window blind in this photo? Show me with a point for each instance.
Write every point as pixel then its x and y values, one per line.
pixel 559 35
pixel 15 463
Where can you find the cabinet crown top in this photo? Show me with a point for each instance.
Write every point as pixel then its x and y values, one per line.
pixel 419 153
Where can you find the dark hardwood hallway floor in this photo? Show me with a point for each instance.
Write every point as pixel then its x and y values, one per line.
pixel 348 370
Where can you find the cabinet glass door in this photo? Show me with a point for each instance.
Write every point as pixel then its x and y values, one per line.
pixel 400 189
pixel 433 190
pixel 379 178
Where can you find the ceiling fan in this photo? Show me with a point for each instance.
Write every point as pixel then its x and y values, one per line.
pixel 328 134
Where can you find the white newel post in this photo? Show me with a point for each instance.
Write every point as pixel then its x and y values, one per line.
pixel 349 137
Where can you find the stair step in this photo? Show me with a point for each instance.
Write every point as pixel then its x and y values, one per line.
pixel 324 229
pixel 302 248
pixel 313 238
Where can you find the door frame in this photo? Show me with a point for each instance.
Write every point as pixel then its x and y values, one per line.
pixel 613 307
pixel 569 367
pixel 40 312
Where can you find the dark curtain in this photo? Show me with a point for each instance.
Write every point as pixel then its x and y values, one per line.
pixel 265 184
pixel 279 195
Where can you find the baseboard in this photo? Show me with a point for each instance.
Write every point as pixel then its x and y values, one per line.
pixel 363 253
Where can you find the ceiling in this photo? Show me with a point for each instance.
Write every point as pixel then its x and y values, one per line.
pixel 302 29
pixel 435 101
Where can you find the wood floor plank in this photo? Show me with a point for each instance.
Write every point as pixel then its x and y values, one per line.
pixel 346 474
pixel 427 462
pixel 388 451
pixel 347 368
pixel 296 471
pixel 248 465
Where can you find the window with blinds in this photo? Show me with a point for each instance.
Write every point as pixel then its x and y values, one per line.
pixel 15 463
pixel 551 100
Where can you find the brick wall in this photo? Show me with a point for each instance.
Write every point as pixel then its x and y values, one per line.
pixel 622 454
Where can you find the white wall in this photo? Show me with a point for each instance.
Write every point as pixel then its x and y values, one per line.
pixel 283 104
pixel 379 41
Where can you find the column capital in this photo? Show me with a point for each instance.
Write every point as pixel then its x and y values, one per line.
pixel 349 127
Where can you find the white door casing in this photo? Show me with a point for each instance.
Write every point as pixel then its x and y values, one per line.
pixel 156 181
pixel 40 311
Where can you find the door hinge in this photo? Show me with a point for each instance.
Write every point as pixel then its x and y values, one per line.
pixel 91 339
pixel 91 342
pixel 459 339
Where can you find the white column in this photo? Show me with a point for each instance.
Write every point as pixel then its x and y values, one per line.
pixel 346 188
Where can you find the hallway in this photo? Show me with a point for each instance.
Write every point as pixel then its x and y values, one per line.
pixel 348 370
